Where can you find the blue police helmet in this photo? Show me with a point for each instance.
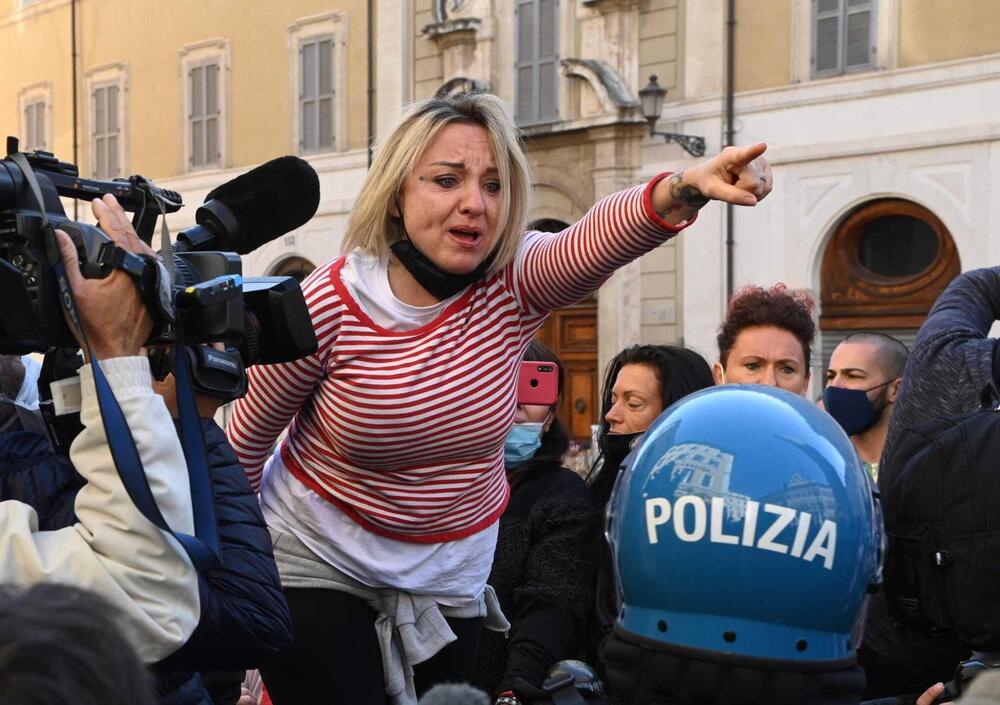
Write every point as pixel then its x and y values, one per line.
pixel 744 523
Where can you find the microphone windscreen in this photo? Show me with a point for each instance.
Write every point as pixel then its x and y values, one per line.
pixel 454 694
pixel 269 201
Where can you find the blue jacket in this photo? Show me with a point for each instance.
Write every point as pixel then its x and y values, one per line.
pixel 244 616
pixel 31 472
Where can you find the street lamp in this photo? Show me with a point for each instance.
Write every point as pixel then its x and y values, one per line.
pixel 652 106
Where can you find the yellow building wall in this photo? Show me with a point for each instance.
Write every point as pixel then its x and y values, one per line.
pixel 148 37
pixel 931 31
pixel 428 67
pixel 24 62
pixel 658 44
pixel 763 44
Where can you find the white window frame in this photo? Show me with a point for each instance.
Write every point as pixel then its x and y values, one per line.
pixel 37 94
pixel 94 79
pixel 212 51
pixel 535 7
pixel 333 26
pixel 842 14
pixel 320 44
pixel 803 40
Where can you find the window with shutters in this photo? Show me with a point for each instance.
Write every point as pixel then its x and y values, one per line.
pixel 105 122
pixel 316 95
pixel 537 62
pixel 35 105
pixel 203 120
pixel 844 36
pixel 204 70
pixel 318 56
pixel 106 131
pixel 34 125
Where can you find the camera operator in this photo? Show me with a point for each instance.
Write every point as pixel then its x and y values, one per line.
pixel 113 550
pixel 244 617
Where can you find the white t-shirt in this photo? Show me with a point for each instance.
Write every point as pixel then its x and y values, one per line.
pixel 453 572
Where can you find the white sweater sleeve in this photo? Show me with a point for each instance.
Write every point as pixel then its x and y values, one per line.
pixel 113 549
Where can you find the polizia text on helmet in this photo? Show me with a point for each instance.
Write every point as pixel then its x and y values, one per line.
pixel 692 519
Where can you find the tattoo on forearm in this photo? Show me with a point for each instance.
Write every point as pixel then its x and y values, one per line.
pixel 688 195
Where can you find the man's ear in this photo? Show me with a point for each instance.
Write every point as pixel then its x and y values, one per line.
pixel 894 386
pixel 719 373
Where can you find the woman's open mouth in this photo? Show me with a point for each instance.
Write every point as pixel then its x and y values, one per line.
pixel 468 237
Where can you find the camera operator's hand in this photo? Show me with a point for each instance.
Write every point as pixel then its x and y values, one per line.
pixel 931 694
pixel 114 317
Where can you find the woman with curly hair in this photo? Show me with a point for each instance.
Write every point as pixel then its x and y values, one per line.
pixel 766 338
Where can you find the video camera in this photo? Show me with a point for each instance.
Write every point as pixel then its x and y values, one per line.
pixel 263 319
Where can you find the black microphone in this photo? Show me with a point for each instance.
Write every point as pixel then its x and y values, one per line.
pixel 454 694
pixel 254 208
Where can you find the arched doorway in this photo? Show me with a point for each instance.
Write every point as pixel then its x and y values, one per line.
pixel 571 332
pixel 882 270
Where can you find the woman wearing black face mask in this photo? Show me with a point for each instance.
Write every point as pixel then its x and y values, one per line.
pixel 384 496
pixel 639 384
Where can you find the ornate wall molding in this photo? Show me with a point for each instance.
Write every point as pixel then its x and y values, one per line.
pixel 612 92
pixel 462 84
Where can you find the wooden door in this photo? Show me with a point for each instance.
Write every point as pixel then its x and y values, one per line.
pixel 882 270
pixel 572 334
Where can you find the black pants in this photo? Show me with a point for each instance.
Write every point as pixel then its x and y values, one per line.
pixel 335 659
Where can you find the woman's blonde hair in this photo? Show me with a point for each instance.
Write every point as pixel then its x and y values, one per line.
pixel 372 228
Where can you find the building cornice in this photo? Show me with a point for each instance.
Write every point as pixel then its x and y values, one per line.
pixel 841 89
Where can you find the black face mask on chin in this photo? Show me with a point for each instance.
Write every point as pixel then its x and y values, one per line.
pixel 439 283
pixel 617 446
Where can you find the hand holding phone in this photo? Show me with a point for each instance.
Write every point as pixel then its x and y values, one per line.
pixel 538 383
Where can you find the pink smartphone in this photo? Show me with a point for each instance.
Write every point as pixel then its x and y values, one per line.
pixel 538 383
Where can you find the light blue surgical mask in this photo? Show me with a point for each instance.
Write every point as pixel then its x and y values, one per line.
pixel 523 441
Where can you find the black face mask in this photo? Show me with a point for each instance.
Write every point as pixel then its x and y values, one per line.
pixel 617 446
pixel 438 282
pixel 614 449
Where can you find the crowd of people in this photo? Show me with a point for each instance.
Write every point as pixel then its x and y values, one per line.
pixel 392 517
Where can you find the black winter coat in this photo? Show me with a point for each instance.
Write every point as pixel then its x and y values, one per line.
pixel 543 574
pixel 244 616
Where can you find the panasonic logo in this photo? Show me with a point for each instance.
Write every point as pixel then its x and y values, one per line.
pixel 692 520
pixel 220 361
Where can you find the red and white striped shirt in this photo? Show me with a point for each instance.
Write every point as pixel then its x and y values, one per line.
pixel 403 431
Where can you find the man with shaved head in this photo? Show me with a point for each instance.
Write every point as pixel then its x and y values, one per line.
pixel 863 380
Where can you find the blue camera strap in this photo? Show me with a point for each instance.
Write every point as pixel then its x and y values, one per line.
pixel 203 547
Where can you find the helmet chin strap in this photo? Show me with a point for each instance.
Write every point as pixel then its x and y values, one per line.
pixel 438 282
pixel 642 672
